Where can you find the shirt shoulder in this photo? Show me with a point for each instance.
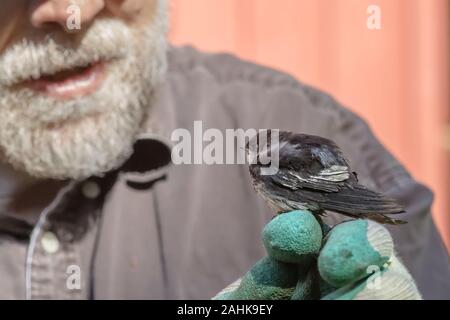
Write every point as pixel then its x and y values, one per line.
pixel 225 68
pixel 245 80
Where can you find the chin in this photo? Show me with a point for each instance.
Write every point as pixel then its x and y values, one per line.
pixel 87 134
pixel 88 147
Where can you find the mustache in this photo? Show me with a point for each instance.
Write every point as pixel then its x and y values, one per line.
pixel 105 40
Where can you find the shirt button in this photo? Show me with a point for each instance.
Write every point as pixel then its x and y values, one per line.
pixel 90 190
pixel 50 242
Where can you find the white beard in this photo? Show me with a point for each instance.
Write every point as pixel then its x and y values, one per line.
pixel 50 138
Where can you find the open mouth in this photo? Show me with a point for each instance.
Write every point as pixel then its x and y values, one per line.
pixel 71 83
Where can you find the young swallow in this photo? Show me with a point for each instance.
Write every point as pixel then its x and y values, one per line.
pixel 314 175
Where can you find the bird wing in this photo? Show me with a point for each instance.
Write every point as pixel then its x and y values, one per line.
pixel 331 179
pixel 320 168
pixel 357 202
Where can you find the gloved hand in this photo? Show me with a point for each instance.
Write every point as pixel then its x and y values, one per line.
pixel 306 260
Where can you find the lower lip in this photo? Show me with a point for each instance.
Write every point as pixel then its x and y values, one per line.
pixel 77 85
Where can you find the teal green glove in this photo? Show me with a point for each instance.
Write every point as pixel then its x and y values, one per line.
pixel 355 260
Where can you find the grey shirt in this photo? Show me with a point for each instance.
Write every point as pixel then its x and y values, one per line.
pixel 151 230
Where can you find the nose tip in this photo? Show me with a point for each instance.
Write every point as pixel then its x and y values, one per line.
pixel 69 14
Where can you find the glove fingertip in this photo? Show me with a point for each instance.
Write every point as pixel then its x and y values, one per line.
pixel 380 239
pixel 293 237
pixel 349 255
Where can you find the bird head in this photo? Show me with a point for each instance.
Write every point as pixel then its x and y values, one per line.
pixel 263 149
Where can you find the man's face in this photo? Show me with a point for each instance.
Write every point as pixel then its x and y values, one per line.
pixel 72 99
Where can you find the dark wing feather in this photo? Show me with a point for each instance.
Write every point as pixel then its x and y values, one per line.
pixel 356 202
pixel 302 180
pixel 360 200
pixel 314 163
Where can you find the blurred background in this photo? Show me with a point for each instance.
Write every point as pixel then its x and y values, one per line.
pixel 395 76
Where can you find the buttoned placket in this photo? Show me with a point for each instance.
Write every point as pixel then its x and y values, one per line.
pixel 35 256
pixel 52 260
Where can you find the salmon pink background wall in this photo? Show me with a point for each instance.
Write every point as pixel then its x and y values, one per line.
pixel 396 77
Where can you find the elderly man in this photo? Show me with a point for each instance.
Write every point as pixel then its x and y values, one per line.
pixel 91 209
